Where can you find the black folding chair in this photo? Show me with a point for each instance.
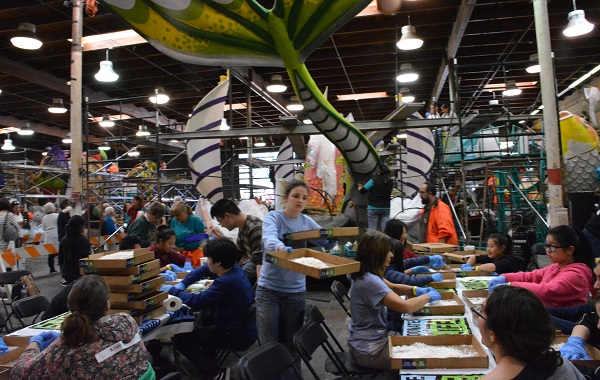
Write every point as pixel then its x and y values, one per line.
pixel 30 307
pixel 268 362
pixel 7 279
pixel 313 314
pixel 341 294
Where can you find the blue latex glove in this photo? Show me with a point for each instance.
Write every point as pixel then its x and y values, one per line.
pixel 44 339
pixel 180 286
pixel 171 276
pixel 466 267
pixel 176 268
pixel 188 267
pixel 421 291
pixel 437 277
pixel 436 261
pixel 420 269
pixel 289 249
pixel 434 295
pixel 165 288
pixel 500 280
pixel 3 347
pixel 574 349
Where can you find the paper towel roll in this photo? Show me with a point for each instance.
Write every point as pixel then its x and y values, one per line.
pixel 172 303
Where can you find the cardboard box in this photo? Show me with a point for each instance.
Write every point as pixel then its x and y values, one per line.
pixel 144 303
pixel 142 317
pixel 136 269
pixel 7 359
pixel 140 287
pixel 446 284
pixel 468 273
pixel 466 294
pixel 126 297
pixel 322 233
pixel 435 247
pixel 479 361
pixel 591 350
pixel 139 256
pixel 130 279
pixel 339 265
pixel 447 275
pixel 444 309
pixel 4 374
pixel 454 257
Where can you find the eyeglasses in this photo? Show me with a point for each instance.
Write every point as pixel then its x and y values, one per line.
pixel 476 310
pixel 552 248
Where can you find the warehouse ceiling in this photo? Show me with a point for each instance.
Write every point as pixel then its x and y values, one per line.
pixel 491 42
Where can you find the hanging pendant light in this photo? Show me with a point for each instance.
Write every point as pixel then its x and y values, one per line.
pixel 159 96
pixel 106 72
pixel 407 74
pixel 104 147
pixel 259 142
pixel 106 122
pixel 224 126
pixel 409 39
pixel 133 152
pixel 511 89
pixel 67 139
pixel 578 25
pixel 26 130
pixel 143 131
pixel 25 38
pixel 276 84
pixel 57 106
pixel 294 104
pixel 8 144
pixel 405 96
pixel 535 65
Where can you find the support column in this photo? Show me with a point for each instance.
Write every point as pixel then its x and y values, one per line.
pixel 76 96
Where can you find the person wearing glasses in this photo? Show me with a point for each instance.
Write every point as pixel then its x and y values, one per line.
pixel 499 257
pixel 515 325
pixel 435 223
pixel 568 281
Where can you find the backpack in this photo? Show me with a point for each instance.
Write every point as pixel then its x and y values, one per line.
pixel 24 287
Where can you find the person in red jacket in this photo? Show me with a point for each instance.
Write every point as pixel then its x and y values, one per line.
pixel 436 224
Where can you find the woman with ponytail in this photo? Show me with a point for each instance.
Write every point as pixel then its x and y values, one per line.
pixel 72 247
pixel 92 345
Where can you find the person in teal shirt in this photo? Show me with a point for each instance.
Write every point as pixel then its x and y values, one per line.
pixel 185 225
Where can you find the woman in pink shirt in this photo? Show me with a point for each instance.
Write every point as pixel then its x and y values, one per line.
pixel 568 281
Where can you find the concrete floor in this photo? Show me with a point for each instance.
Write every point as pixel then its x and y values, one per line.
pixel 318 294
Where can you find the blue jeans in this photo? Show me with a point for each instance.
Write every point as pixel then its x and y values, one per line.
pixel 378 218
pixel 278 317
pixel 566 318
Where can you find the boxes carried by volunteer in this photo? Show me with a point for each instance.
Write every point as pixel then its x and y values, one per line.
pixel 442 351
pixel 313 263
pixel 116 259
pixel 322 233
pixel 434 247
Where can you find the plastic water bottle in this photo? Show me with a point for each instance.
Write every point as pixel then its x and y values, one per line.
pixel 24 292
pixel 336 248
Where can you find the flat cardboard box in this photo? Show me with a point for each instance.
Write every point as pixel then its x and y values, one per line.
pixel 473 294
pixel 140 256
pixel 141 318
pixel 455 257
pixel 130 279
pixel 446 275
pixel 435 247
pixel 444 310
pixel 322 233
pixel 7 359
pixel 136 269
pixel 140 287
pixel 446 284
pixel 4 374
pixel 339 265
pixel 126 297
pixel 144 303
pixel 468 273
pixel 591 350
pixel 479 361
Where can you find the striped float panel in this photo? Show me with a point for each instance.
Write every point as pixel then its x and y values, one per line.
pixel 283 173
pixel 204 155
pixel 417 160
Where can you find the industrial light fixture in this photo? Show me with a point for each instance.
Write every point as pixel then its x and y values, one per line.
pixel 26 130
pixel 106 72
pixel 259 142
pixel 25 38
pixel 224 126
pixel 106 122
pixel 307 121
pixel 583 78
pixel 104 146
pixel 143 131
pixel 405 96
pixel 67 139
pixel 511 89
pixel 407 74
pixel 294 104
pixel 402 135
pixel 535 65
pixel 57 106
pixel 46 150
pixel 276 84
pixel 409 39
pixel 133 152
pixel 577 25
pixel 159 96
pixel 8 144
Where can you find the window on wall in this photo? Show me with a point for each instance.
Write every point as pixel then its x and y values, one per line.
pixel 261 183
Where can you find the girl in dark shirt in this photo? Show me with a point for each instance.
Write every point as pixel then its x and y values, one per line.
pixel 163 250
pixel 499 257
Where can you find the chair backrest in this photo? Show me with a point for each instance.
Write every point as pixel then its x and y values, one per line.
pixel 30 306
pixel 267 362
pixel 313 314
pixel 340 292
pixel 310 337
pixel 9 278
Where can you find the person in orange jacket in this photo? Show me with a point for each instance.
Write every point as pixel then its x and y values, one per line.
pixel 436 224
